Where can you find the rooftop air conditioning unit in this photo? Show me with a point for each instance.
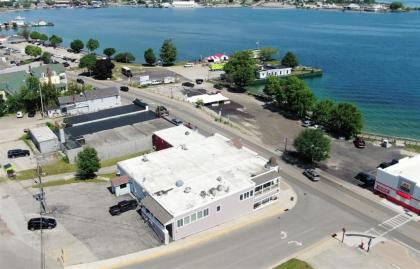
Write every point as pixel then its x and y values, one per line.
pixel 187 190
pixel 184 147
pixel 213 191
pixel 179 183
pixel 220 187
pixel 203 194
pixel 144 159
pixel 219 178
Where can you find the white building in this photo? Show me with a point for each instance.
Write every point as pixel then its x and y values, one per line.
pixel 44 139
pixel 277 71
pixel 120 186
pixel 400 183
pixel 209 99
pixel 203 183
pixel 184 4
pixel 87 102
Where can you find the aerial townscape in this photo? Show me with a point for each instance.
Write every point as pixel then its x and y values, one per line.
pixel 209 134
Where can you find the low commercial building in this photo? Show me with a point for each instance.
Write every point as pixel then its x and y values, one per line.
pixel 193 187
pixel 277 71
pixel 400 183
pixel 87 102
pixel 175 136
pixel 120 186
pixel 44 139
pixel 209 99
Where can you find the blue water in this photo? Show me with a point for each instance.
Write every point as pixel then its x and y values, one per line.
pixel 370 59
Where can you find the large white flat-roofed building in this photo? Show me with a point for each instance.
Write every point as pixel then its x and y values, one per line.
pixel 175 136
pixel 276 71
pixel 44 139
pixel 195 186
pixel 209 99
pixel 401 183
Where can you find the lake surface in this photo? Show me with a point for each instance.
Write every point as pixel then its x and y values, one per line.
pixel 370 59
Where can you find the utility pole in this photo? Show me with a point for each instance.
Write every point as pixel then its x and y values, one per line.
pixel 344 232
pixel 42 103
pixel 42 210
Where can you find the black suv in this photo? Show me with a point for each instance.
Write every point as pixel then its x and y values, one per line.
pixel 80 81
pixel 122 207
pixel 188 84
pixel 366 178
pixel 124 88
pixel 41 223
pixel 13 153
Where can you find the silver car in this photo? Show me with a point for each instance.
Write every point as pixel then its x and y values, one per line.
pixel 311 174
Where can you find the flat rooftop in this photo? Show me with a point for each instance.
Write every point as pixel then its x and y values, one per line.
pixel 98 126
pixel 103 114
pixel 208 98
pixel 179 135
pixel 42 134
pixel 182 179
pixel 408 168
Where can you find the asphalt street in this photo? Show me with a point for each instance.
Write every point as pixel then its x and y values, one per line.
pixel 323 208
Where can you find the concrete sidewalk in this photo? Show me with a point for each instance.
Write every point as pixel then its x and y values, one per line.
pixel 284 203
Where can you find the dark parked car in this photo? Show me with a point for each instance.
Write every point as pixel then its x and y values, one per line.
pixel 177 122
pixel 366 178
pixel 124 88
pixel 199 80
pixel 41 223
pixel 66 64
pixel 359 143
pixel 13 153
pixel 311 174
pixel 386 164
pixel 188 84
pixel 162 111
pixel 81 81
pixel 31 113
pixel 122 207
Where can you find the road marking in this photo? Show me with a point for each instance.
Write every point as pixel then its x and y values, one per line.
pixel 389 225
pixel 283 235
pixel 299 244
pixel 405 245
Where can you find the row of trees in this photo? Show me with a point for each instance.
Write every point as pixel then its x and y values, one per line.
pixel 36 51
pixel 293 95
pixel 54 40
pixel 168 53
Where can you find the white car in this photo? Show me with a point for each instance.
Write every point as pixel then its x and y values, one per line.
pixel 19 114
pixel 188 65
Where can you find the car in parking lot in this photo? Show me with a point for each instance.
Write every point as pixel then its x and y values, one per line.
pixel 188 84
pixel 188 65
pixel 384 165
pixel 311 174
pixel 13 153
pixel 66 64
pixel 9 169
pixel 122 207
pixel 199 80
pixel 31 113
pixel 307 123
pixel 177 121
pixel 359 143
pixel 19 114
pixel 41 223
pixel 366 178
pixel 80 81
pixel 124 88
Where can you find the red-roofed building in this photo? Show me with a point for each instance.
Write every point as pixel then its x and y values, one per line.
pixel 217 58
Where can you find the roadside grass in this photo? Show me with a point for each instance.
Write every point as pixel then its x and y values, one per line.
pixel 25 138
pixel 413 148
pixel 294 264
pixel 61 167
pixel 61 182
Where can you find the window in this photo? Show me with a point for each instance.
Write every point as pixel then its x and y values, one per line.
pixel 218 208
pixel 187 220
pixel 241 197
pixel 199 214
pixel 122 186
pixel 251 193
pixel 193 217
pixel 180 223
pixel 206 212
pixel 257 189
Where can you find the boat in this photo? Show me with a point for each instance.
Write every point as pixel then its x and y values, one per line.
pixel 18 21
pixel 41 23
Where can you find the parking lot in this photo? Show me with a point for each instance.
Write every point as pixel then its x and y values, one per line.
pixel 20 163
pixel 85 230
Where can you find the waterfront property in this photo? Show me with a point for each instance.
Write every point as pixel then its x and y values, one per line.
pixel 209 99
pixel 273 70
pixel 400 183
pixel 199 184
pixel 87 102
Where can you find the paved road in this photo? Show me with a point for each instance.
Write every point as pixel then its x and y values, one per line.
pixel 325 209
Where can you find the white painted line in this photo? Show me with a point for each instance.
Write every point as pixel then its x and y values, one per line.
pixel 299 244
pixel 405 245
pixel 283 235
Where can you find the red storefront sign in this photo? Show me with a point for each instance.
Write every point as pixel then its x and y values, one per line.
pixel 382 189
pixel 404 195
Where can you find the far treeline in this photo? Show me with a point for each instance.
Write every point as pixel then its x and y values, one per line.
pixel 293 95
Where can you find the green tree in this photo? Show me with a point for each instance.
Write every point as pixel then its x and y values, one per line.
pixel 124 57
pixel 290 60
pixel 35 35
pixel 396 5
pixel 92 45
pixel 168 52
pixel 14 103
pixel 312 145
pixel 272 86
pixel 43 37
pixel 33 51
pixel 77 45
pixel 3 107
pixel 241 69
pixel 46 57
pixel 149 56
pixel 29 93
pixel 301 101
pixel 55 40
pixel 88 163
pixel 49 95
pixel 322 112
pixel 109 52
pixel 88 62
pixel 103 69
pixel 268 53
pixel 25 33
pixel 346 120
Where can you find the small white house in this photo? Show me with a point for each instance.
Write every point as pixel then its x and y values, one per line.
pixel 44 139
pixel 120 185
pixel 278 71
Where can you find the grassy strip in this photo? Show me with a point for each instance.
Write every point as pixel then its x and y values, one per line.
pixel 61 182
pixel 413 148
pixel 25 138
pixel 294 264
pixel 111 162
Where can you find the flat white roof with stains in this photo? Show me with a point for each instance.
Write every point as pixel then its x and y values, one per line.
pixel 178 177
pixel 179 135
pixel 42 134
pixel 407 168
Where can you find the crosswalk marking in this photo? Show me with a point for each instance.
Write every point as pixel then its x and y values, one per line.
pixel 389 225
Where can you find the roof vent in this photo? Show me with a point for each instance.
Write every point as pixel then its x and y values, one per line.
pixel 144 179
pixel 219 178
pixel 144 159
pixel 220 187
pixel 203 194
pixel 184 147
pixel 213 191
pixel 187 133
pixel 179 183
pixel 227 189
pixel 187 190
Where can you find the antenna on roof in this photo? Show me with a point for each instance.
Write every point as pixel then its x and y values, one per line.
pixel 184 147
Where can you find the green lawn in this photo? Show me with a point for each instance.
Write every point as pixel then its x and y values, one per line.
pixel 60 182
pixel 111 162
pixel 413 148
pixel 294 264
